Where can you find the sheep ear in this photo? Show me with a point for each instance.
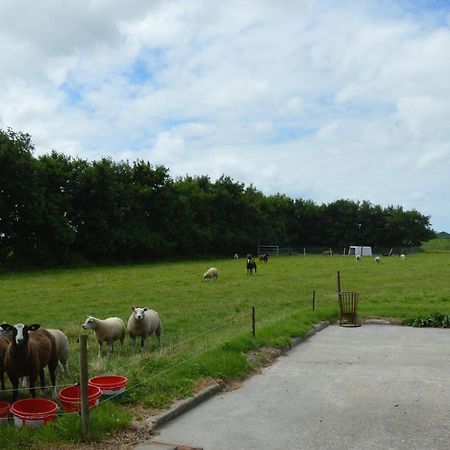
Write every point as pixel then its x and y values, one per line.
pixel 34 327
pixel 133 308
pixel 145 309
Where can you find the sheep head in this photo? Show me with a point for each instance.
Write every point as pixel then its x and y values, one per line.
pixel 138 312
pixel 20 332
pixel 89 324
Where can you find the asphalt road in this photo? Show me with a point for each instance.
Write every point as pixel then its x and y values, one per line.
pixel 373 387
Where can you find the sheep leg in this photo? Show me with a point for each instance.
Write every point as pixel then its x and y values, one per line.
pixel 15 385
pixel 158 334
pixel 32 386
pixel 42 379
pixel 133 343
pixel 100 345
pixel 142 343
pixel 52 371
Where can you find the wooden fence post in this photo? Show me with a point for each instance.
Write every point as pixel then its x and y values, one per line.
pixel 84 389
pixel 338 277
pixel 253 321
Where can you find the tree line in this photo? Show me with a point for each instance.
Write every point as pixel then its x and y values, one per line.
pixel 56 209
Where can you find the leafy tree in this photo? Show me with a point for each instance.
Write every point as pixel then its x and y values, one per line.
pixel 21 198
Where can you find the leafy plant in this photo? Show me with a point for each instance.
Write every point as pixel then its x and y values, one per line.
pixel 436 320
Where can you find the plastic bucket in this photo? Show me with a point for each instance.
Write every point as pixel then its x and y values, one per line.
pixel 70 397
pixel 4 411
pixel 110 384
pixel 33 412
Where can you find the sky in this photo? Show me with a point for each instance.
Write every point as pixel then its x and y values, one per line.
pixel 314 99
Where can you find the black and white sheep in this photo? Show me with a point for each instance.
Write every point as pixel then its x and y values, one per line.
pixel 211 273
pixel 264 257
pixel 251 266
pixel 377 259
pixel 30 350
pixel 142 323
pixel 106 330
pixel 357 257
pixel 62 348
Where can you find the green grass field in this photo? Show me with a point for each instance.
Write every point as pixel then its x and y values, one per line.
pixel 206 325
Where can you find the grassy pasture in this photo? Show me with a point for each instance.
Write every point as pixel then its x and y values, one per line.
pixel 207 325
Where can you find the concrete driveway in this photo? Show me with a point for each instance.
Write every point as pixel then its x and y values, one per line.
pixel 372 387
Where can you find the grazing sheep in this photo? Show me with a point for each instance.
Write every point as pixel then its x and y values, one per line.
pixel 30 350
pixel 377 259
pixel 62 348
pixel 4 342
pixel 211 273
pixel 402 257
pixel 358 257
pixel 236 256
pixel 142 323
pixel 264 257
pixel 251 265
pixel 107 330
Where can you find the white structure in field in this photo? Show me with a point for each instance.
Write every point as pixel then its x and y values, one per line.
pixel 268 250
pixel 361 250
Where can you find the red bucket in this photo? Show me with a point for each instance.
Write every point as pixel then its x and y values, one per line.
pixel 70 397
pixel 4 411
pixel 110 384
pixel 33 412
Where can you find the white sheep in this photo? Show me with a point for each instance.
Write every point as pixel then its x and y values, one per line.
pixel 211 273
pixel 142 323
pixel 62 347
pixel 357 257
pixel 377 259
pixel 402 257
pixel 106 330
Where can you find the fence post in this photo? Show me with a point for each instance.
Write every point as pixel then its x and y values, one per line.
pixel 338 277
pixel 253 321
pixel 85 433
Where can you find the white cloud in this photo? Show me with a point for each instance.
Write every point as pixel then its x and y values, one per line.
pixel 309 98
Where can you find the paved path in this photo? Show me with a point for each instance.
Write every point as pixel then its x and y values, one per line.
pixel 374 387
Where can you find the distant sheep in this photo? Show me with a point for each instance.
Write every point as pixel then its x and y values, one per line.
pixel 377 259
pixel 402 257
pixel 211 274
pixel 62 348
pixel 251 266
pixel 236 256
pixel 108 330
pixel 264 257
pixel 358 257
pixel 142 323
pixel 30 350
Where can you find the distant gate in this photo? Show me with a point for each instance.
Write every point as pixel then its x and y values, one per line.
pixel 270 250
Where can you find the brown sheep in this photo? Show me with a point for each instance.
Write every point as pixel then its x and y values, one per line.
pixel 4 342
pixel 31 349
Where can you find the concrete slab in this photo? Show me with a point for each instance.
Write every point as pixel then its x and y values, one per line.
pixel 372 387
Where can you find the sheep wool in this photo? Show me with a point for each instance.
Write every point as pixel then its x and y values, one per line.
pixel 62 348
pixel 211 273
pixel 143 322
pixel 106 330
